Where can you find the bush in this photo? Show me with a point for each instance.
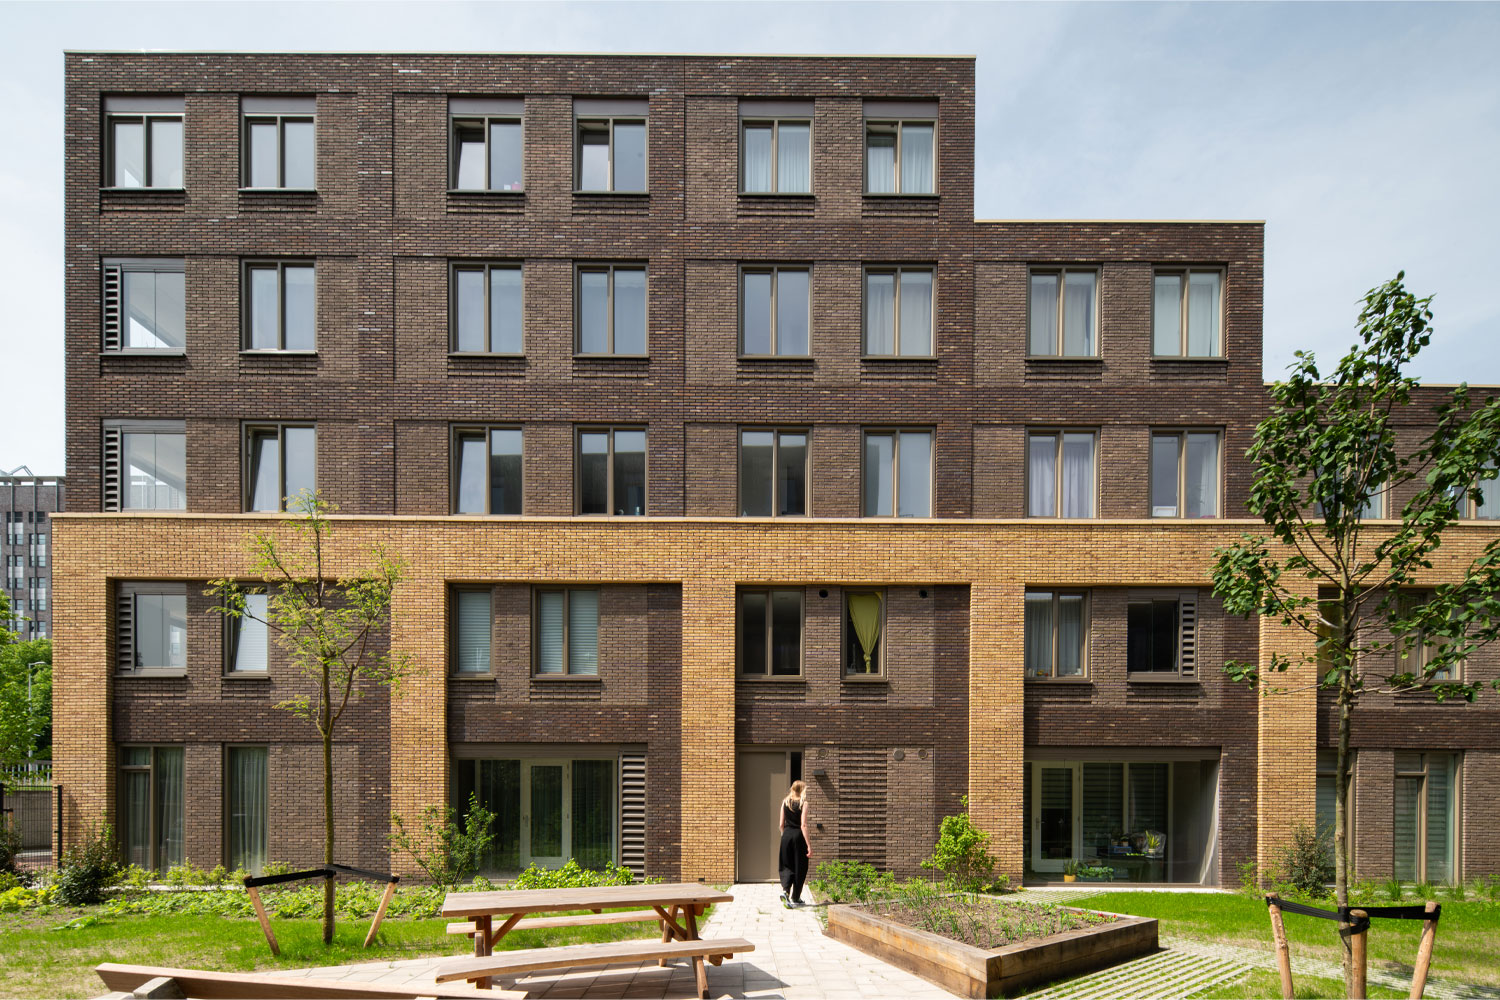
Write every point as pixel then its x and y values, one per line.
pixel 88 868
pixel 962 855
pixel 449 853
pixel 10 844
pixel 572 876
pixel 1305 866
pixel 851 882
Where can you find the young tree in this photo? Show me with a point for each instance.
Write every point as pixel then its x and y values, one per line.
pixel 328 628
pixel 1327 450
pixel 25 698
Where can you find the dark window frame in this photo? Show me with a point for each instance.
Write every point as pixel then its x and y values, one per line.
pixel 609 268
pixel 453 668
pixel 739 646
pixel 611 430
pixel 775 122
pixel 149 769
pixel 1061 271
pixel 1057 465
pixel 850 641
pixel 231 642
pixel 280 119
pixel 896 433
pixel 145 119
pixel 899 125
pixel 775 271
pixel 455 450
pixel 1185 272
pixel 247 305
pixel 582 123
pixel 133 589
pixel 776 433
pixel 247 467
pixel 567 625
pixel 1181 434
pixel 484 267
pixel 484 121
pixel 896 270
pixel 1056 594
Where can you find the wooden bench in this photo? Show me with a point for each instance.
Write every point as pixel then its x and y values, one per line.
pixel 570 920
pixel 158 982
pixel 520 962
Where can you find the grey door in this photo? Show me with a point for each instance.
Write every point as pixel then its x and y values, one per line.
pixel 761 782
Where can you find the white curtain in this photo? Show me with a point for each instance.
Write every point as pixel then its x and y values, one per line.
pixel 755 313
pixel 880 161
pixel 247 808
pixel 1078 314
pixel 758 157
pixel 916 313
pixel 1164 475
pixel 1041 476
pixel 252 646
pixel 1069 635
pixel 791 313
pixel 794 158
pixel 1203 315
pixel 880 314
pixel 168 774
pixel 1043 315
pixel 583 632
pixel 473 457
pixel 879 485
pixel 916 159
pixel 630 311
pixel 915 460
pixel 472 634
pixel 1039 635
pixel 1202 477
pixel 1166 316
pixel 1078 475
pixel 549 623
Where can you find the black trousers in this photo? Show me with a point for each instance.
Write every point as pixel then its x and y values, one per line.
pixel 793 862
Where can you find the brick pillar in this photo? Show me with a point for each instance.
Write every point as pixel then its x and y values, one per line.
pixel 708 760
pixel 83 625
pixel 419 712
pixel 1287 744
pixel 996 702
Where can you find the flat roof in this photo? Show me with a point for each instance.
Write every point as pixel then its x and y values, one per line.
pixel 1124 222
pixel 449 54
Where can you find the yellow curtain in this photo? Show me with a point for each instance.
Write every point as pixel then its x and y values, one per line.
pixel 864 612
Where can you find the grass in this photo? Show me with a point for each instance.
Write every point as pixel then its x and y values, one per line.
pixel 1466 935
pixel 41 956
pixel 1266 983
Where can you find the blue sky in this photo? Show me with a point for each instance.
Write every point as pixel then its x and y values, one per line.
pixel 1367 136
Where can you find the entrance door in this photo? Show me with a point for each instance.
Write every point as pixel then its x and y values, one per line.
pixel 761 781
pixel 1056 830
pixel 546 812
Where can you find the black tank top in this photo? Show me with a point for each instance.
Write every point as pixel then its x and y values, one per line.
pixel 791 817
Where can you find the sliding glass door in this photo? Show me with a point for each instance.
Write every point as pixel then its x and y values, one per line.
pixel 547 810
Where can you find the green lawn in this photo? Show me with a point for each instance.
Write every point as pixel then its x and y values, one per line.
pixel 39 960
pixel 1467 935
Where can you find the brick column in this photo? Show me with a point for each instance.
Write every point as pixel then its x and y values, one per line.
pixel 996 702
pixel 83 625
pixel 708 751
pixel 419 712
pixel 1287 743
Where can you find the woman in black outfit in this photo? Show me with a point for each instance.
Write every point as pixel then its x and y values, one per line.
pixel 794 847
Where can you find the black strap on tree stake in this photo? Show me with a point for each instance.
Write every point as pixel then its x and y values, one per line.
pixel 1357 926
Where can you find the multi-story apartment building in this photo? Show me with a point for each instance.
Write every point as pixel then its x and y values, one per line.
pixel 27 503
pixel 723 447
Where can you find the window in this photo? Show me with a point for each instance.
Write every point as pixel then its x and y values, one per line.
pixel 1063 308
pixel 280 307
pixel 151 627
pixel 1060 474
pixel 150 806
pixel 145 465
pixel 486 309
pixel 1327 797
pixel 567 633
pixel 1056 633
pixel 611 309
pixel 776 147
pixel 145 305
pixel 898 312
pixel 550 810
pixel 864 630
pixel 1426 817
pixel 773 473
pixel 1161 634
pixel 473 618
pixel 1484 504
pixel 487 479
pixel 1186 314
pixel 281 462
pixel 249 637
pixel 770 633
pixel 612 472
pixel 898 474
pixel 486 144
pixel 774 314
pixel 143 144
pixel 1416 650
pixel 1185 474
pixel 245 808
pixel 279 142
pixel 611 145
pixel 899 152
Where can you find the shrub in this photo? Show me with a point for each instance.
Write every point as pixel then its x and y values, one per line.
pixel 572 876
pixel 88 868
pixel 10 844
pixel 1393 888
pixel 962 854
pixel 851 882
pixel 447 851
pixel 1305 866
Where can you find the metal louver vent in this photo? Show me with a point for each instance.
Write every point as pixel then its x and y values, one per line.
pixel 633 812
pixel 125 632
pixel 1187 608
pixel 862 805
pixel 113 309
pixel 112 468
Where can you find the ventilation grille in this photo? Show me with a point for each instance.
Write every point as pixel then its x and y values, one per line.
pixel 862 806
pixel 1187 622
pixel 112 309
pixel 125 632
pixel 633 813
pixel 112 465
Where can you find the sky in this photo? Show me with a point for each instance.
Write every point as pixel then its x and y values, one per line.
pixel 1366 136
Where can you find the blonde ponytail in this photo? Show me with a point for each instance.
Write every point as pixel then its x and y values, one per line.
pixel 794 797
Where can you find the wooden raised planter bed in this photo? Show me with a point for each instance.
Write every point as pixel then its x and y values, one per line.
pixel 976 972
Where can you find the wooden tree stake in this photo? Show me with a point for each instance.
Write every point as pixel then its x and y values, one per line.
pixel 265 921
pixel 1424 954
pixel 1283 952
pixel 1357 945
pixel 385 900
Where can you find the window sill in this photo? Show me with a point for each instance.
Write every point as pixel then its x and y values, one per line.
pixel 145 352
pixel 1060 681
pixel 487 356
pixel 1162 679
pixel 143 190
pixel 472 677
pixel 1177 517
pixel 149 672
pixel 902 195
pixel 247 675
pixel 1191 360
pixel 1065 359
pixel 803 195
pixel 264 352
pixel 567 678
pixel 777 679
pixel 611 357
pixel 775 359
pixel 486 193
pixel 581 193
pixel 270 190
pixel 866 679
pixel 885 359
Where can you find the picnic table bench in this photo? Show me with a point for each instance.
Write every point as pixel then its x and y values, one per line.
pixel 149 981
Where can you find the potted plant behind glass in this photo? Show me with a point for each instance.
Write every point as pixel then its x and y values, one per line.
pixel 1096 873
pixel 1070 871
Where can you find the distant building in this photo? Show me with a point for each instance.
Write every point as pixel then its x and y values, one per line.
pixel 27 503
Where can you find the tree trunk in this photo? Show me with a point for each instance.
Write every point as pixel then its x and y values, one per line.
pixel 327 812
pixel 1340 824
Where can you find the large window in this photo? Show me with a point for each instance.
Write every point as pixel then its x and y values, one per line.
pixel 898 312
pixel 150 806
pixel 770 633
pixel 611 309
pixel 775 148
pixel 1482 503
pixel 151 627
pixel 774 312
pixel 1056 633
pixel 486 309
pixel 611 145
pixel 473 620
pixel 1185 474
pixel 279 142
pixel 1426 817
pixel 1161 634
pixel 245 808
pixel 485 136
pixel 145 305
pixel 773 473
pixel 864 632
pixel 145 465
pixel 1060 474
pixel 899 156
pixel 546 810
pixel 280 462
pixel 1186 314
pixel 567 633
pixel 611 465
pixel 898 468
pixel 1063 313
pixel 249 637
pixel 280 306
pixel 487 476
pixel 143 142
pixel 1415 651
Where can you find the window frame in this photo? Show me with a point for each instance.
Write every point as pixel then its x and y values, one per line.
pixel 610 122
pixel 280 119
pixel 609 268
pixel 1182 434
pixel 899 123
pixel 775 271
pixel 113 460
pixel 1057 480
pixel 231 643
pixel 1455 791
pixel 896 270
pixel 1055 595
pixel 1061 271
pixel 848 636
pixel 1422 648
pixel 455 449
pixel 485 119
pixel 1178 598
pixel 567 624
pixel 131 590
pixel 453 649
pixel 769 593
pixel 610 429
pixel 247 306
pixel 1185 272
pixel 227 794
pixel 484 267
pixel 149 769
pixel 896 433
pixel 1468 507
pixel 776 121
pixel 776 433
pixel 247 465
pixel 145 118
pixel 113 270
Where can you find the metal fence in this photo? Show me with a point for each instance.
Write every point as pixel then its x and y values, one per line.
pixel 26 797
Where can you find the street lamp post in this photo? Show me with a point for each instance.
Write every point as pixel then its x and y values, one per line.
pixel 30 708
